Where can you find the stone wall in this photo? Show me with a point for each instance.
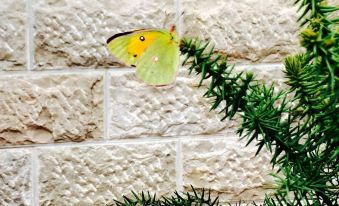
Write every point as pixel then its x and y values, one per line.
pixel 76 128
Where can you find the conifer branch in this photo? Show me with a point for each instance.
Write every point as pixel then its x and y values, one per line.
pixel 303 137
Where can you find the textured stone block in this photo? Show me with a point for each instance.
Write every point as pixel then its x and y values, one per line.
pixel 138 109
pixel 15 177
pixel 51 108
pixel 228 167
pixel 12 34
pixel 94 175
pixel 177 109
pixel 74 33
pixel 251 30
pixel 267 74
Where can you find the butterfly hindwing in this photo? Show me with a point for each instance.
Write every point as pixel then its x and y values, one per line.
pixel 158 65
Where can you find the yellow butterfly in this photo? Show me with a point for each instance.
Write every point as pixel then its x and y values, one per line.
pixel 154 52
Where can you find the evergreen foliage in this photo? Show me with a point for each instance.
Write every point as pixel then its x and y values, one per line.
pixel 186 199
pixel 300 126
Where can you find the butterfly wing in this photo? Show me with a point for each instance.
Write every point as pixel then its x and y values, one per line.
pixel 159 63
pixel 129 46
pixel 155 53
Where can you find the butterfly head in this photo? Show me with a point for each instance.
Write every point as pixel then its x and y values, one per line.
pixel 173 29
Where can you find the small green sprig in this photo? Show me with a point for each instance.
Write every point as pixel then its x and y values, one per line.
pixel 185 199
pixel 225 85
pixel 238 93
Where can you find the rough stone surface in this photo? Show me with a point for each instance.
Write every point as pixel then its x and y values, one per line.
pixel 178 109
pixel 336 13
pixel 228 167
pixel 95 175
pixel 15 177
pixel 267 74
pixel 12 34
pixel 53 108
pixel 74 33
pixel 250 30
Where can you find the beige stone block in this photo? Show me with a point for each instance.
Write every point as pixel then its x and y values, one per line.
pixel 15 177
pixel 336 13
pixel 94 175
pixel 50 108
pixel 230 169
pixel 267 74
pixel 13 35
pixel 74 33
pixel 178 109
pixel 251 30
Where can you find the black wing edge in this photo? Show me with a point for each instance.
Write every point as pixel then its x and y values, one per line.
pixel 117 35
pixel 123 34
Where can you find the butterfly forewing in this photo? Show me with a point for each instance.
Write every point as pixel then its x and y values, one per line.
pixel 155 53
pixel 118 47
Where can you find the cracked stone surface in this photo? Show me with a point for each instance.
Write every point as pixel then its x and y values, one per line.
pixel 245 30
pixel 50 108
pixel 15 177
pixel 74 33
pixel 94 175
pixel 228 167
pixel 12 35
pixel 178 109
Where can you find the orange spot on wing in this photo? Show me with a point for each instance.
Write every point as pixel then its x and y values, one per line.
pixel 137 47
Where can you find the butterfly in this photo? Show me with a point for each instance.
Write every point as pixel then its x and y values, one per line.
pixel 154 52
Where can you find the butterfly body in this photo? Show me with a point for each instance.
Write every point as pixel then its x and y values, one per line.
pixel 154 52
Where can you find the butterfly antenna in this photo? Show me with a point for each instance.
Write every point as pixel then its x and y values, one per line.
pixel 166 19
pixel 178 17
